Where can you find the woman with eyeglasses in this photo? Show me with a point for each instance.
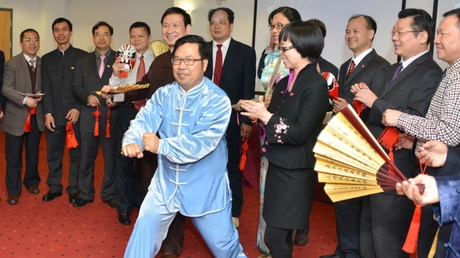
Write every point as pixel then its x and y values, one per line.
pixel 293 121
pixel 277 19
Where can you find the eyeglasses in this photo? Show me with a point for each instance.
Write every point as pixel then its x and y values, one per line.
pixel 187 61
pixel 284 49
pixel 28 40
pixel 278 26
pixel 399 33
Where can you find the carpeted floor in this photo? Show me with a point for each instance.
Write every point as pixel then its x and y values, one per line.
pixel 34 228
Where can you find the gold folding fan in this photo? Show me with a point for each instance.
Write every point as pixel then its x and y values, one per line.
pixel 351 161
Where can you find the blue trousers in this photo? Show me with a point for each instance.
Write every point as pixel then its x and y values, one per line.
pixel 154 219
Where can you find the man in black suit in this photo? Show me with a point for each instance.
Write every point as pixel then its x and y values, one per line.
pixel 61 107
pixel 91 74
pixel 408 87
pixel 369 68
pixel 237 79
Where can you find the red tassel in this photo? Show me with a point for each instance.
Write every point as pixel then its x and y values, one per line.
pixel 96 115
pixel 107 127
pixel 244 147
pixel 27 125
pixel 71 140
pixel 410 246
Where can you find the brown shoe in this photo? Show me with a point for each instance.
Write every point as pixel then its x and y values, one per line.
pixel 33 189
pixel 301 238
pixel 168 255
pixel 13 199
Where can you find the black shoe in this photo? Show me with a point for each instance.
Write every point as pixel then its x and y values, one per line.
pixel 49 196
pixel 329 256
pixel 124 218
pixel 73 197
pixel 79 202
pixel 112 203
pixel 301 238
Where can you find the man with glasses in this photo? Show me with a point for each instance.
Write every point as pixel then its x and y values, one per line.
pixel 408 86
pixel 232 68
pixel 191 116
pixel 442 121
pixel 23 119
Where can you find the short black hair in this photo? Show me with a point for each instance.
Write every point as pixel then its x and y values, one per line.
pixel 177 10
pixel 140 24
pixel 422 21
pixel 305 37
pixel 455 12
pixel 370 22
pixel 21 36
pixel 102 23
pixel 290 13
pixel 203 47
pixel 230 14
pixel 320 25
pixel 59 20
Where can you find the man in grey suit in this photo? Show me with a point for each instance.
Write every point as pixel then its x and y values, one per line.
pixel 408 87
pixel 92 72
pixel 237 79
pixel 366 66
pixel 23 119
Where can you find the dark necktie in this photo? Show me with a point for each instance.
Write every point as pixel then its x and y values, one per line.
pixel 140 73
pixel 395 74
pixel 351 69
pixel 218 66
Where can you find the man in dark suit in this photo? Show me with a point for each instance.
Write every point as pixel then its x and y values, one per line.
pixel 91 74
pixel 23 121
pixel 61 107
pixel 370 68
pixel 236 76
pixel 408 86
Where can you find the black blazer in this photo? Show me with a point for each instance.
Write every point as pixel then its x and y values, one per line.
pixel 237 80
pixel 2 64
pixel 303 110
pixel 371 70
pixel 57 79
pixel 411 93
pixel 86 81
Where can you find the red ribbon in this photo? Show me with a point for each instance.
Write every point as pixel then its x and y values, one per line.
pixel 27 126
pixel 358 106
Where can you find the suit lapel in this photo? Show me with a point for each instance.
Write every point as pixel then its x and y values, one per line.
pixel 25 70
pixel 229 57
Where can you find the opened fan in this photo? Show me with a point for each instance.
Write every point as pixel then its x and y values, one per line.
pixel 351 161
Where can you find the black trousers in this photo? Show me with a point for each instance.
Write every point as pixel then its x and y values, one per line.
pixel 234 174
pixel 13 155
pixel 56 145
pixel 127 170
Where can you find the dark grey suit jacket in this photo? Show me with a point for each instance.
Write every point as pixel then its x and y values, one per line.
pixel 17 79
pixel 411 93
pixel 371 70
pixel 86 82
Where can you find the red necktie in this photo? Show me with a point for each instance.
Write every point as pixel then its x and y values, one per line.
pixel 218 66
pixel 351 69
pixel 101 66
pixel 140 73
pixel 32 65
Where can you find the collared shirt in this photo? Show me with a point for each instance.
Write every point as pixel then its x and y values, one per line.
pixel 224 50
pixel 361 56
pixel 442 121
pixel 406 63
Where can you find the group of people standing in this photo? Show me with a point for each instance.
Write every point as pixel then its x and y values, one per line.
pixel 173 149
